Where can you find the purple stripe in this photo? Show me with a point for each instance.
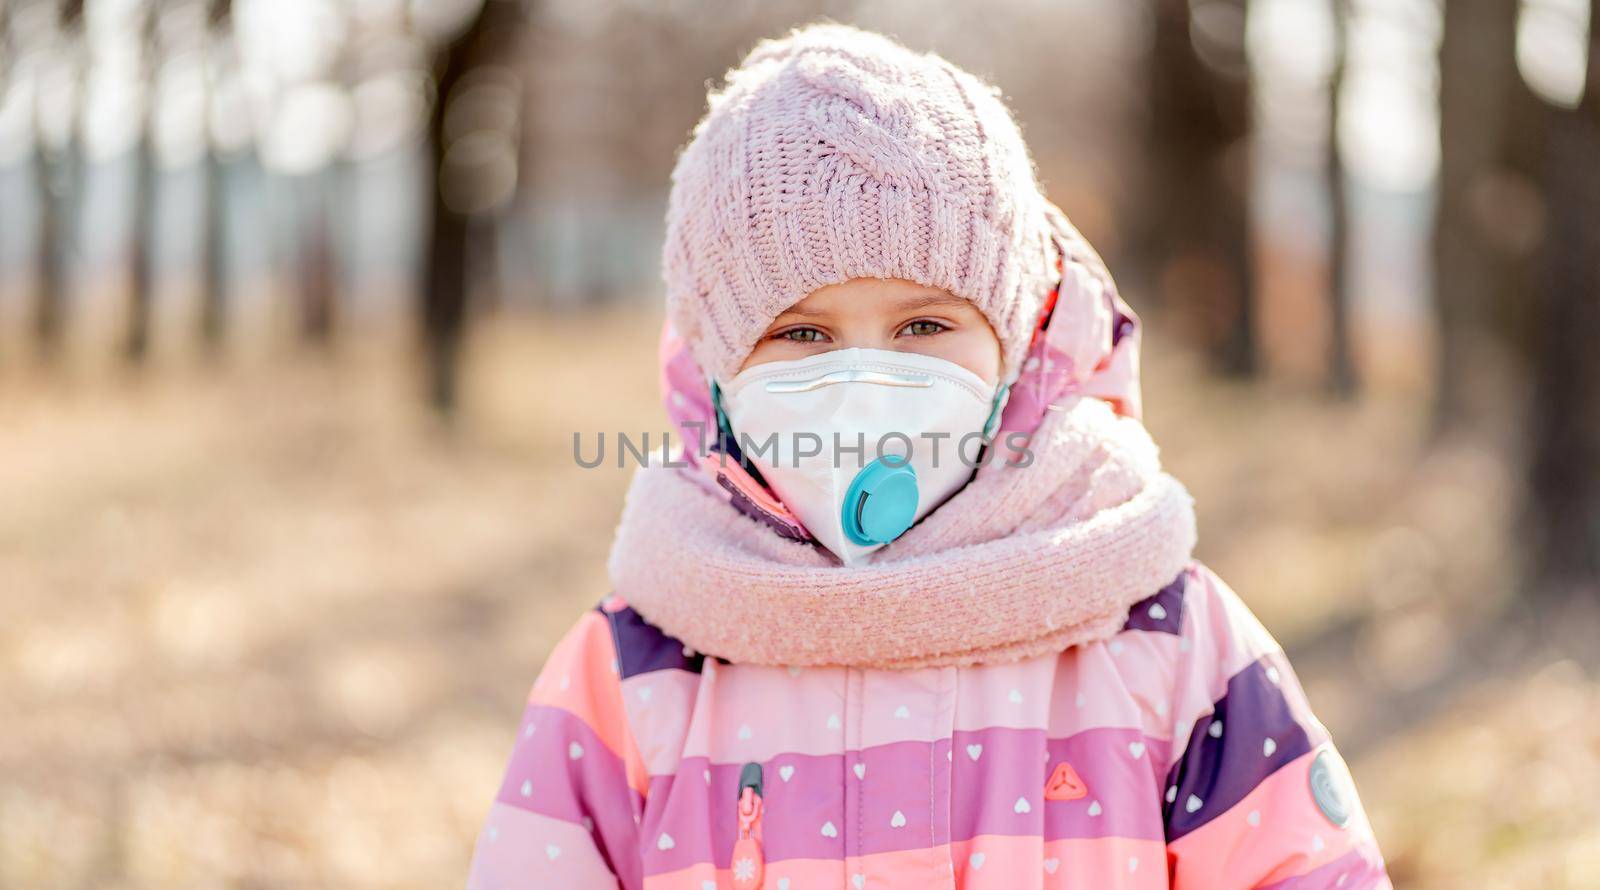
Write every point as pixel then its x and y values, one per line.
pixel 911 777
pixel 642 647
pixel 1360 868
pixel 700 817
pixel 1219 770
pixel 567 788
pixel 1126 787
pixel 1162 612
pixel 900 778
pixel 1015 764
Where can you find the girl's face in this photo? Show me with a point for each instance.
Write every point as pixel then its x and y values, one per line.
pixel 878 313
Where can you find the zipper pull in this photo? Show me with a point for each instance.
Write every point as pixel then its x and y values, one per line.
pixel 748 862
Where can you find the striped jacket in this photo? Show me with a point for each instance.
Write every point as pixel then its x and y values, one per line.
pixel 1178 753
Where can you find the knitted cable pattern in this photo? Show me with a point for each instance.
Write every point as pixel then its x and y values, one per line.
pixel 832 154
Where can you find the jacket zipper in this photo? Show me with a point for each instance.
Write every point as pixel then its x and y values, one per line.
pixel 747 863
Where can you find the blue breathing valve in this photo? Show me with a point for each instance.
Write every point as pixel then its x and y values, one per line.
pixel 881 503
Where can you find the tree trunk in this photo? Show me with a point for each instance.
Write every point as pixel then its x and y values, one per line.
pixel 1479 84
pixel 142 250
pixel 1564 472
pixel 214 254
pixel 447 282
pixel 1196 206
pixel 145 195
pixel 318 272
pixel 58 178
pixel 214 228
pixel 444 295
pixel 1341 366
pixel 444 302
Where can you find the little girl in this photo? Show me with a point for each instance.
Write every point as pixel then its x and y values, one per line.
pixel 918 607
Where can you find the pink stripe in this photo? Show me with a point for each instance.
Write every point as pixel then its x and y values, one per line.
pixel 1107 862
pixel 1111 683
pixel 1123 682
pixel 1359 869
pixel 516 844
pixel 747 712
pixel 908 706
pixel 1017 863
pixel 1004 863
pixel 1015 694
pixel 659 705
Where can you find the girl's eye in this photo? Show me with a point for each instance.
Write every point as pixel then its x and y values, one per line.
pixel 922 328
pixel 802 335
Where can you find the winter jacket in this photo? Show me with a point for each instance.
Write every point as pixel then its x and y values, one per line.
pixel 1180 752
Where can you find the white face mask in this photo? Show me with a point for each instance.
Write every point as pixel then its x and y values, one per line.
pixel 861 443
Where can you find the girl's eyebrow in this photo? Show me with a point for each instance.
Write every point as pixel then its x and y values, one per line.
pixel 930 301
pixel 801 311
pixel 903 304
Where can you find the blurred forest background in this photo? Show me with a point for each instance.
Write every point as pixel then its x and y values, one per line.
pixel 301 302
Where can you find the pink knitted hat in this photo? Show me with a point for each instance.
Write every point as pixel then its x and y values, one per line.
pixel 834 153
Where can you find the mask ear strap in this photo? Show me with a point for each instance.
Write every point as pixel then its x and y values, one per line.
pixel 724 429
pixel 995 409
pixel 727 443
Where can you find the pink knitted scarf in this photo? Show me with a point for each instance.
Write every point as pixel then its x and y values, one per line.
pixel 1022 561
